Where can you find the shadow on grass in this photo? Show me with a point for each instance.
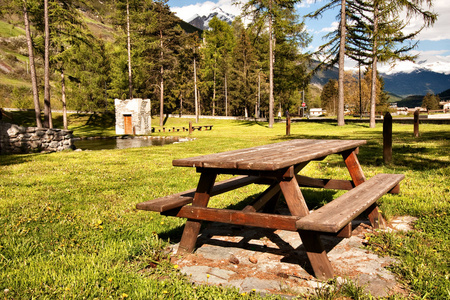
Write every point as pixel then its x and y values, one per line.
pixel 289 254
pixel 315 198
pixel 97 124
pixel 254 123
pixel 15 159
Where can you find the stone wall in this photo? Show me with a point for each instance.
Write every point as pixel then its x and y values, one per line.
pixel 15 139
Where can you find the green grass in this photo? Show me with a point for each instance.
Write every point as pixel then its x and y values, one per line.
pixel 14 82
pixel 9 30
pixel 69 227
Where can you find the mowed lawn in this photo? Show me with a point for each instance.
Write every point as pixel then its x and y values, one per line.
pixel 69 228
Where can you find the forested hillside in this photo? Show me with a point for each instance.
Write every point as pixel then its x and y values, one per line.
pixel 97 51
pixel 169 60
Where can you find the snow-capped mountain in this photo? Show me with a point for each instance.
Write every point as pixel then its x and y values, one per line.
pixel 437 65
pixel 202 22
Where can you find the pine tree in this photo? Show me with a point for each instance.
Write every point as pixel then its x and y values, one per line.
pixel 279 16
pixel 430 101
pixel 37 109
pixel 330 96
pixel 376 34
pixel 334 50
pixel 244 71
pixel 218 54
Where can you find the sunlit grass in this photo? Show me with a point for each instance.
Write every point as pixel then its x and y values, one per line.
pixel 69 227
pixel 9 30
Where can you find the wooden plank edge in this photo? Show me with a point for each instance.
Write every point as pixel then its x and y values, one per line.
pixel 235 217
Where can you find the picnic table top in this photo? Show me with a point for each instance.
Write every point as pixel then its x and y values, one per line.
pixel 270 157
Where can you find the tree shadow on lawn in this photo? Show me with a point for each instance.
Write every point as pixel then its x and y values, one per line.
pixel 315 198
pixel 15 159
pixel 254 123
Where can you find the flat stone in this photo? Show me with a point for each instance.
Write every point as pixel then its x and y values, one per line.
pixel 250 284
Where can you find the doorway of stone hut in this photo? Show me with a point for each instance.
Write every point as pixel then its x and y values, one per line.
pixel 128 124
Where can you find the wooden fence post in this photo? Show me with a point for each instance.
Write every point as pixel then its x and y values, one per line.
pixel 190 127
pixel 387 138
pixel 288 123
pixel 416 123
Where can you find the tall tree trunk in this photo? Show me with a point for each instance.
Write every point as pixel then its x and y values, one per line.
pixel 63 99
pixel 195 91
pixel 161 90
pixel 340 113
pixel 373 90
pixel 271 100
pixel 161 99
pixel 226 95
pixel 37 109
pixel 214 90
pixel 130 78
pixel 181 104
pixel 48 123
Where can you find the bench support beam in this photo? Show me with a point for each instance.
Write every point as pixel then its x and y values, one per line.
pixel 201 199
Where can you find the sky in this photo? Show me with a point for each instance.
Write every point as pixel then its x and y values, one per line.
pixel 434 42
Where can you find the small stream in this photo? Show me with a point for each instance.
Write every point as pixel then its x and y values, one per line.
pixel 127 142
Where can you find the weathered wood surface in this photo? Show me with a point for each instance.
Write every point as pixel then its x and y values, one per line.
pixel 228 216
pixel 336 184
pixel 387 138
pixel 271 157
pixel 416 123
pixel 176 200
pixel 333 216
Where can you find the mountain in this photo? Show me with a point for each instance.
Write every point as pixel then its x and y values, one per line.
pixel 399 85
pixel 202 22
pixel 418 82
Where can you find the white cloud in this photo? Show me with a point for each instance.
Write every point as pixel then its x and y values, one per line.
pixel 439 31
pixel 333 27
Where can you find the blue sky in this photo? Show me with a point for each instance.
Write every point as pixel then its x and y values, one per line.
pixel 434 43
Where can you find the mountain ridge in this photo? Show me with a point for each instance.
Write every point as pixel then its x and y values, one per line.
pixel 202 22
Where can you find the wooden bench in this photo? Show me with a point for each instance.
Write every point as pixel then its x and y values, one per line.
pixel 199 127
pixel 337 214
pixel 169 129
pixel 180 199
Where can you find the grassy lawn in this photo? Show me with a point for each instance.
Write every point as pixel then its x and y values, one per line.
pixel 69 227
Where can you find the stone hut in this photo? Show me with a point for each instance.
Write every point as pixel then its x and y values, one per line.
pixel 133 116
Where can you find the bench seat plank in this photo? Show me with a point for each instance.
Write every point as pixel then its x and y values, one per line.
pixel 176 200
pixel 334 215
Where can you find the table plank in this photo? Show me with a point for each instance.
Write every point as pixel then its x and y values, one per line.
pixel 270 157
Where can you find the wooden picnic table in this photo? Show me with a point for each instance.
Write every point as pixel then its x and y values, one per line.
pixel 278 166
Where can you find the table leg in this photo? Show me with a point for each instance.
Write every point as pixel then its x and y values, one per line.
pixel 353 166
pixel 375 217
pixel 316 254
pixel 294 197
pixel 201 198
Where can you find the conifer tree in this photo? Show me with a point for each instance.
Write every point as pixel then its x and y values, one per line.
pixel 218 53
pixel 37 109
pixel 278 15
pixel 430 101
pixel 244 71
